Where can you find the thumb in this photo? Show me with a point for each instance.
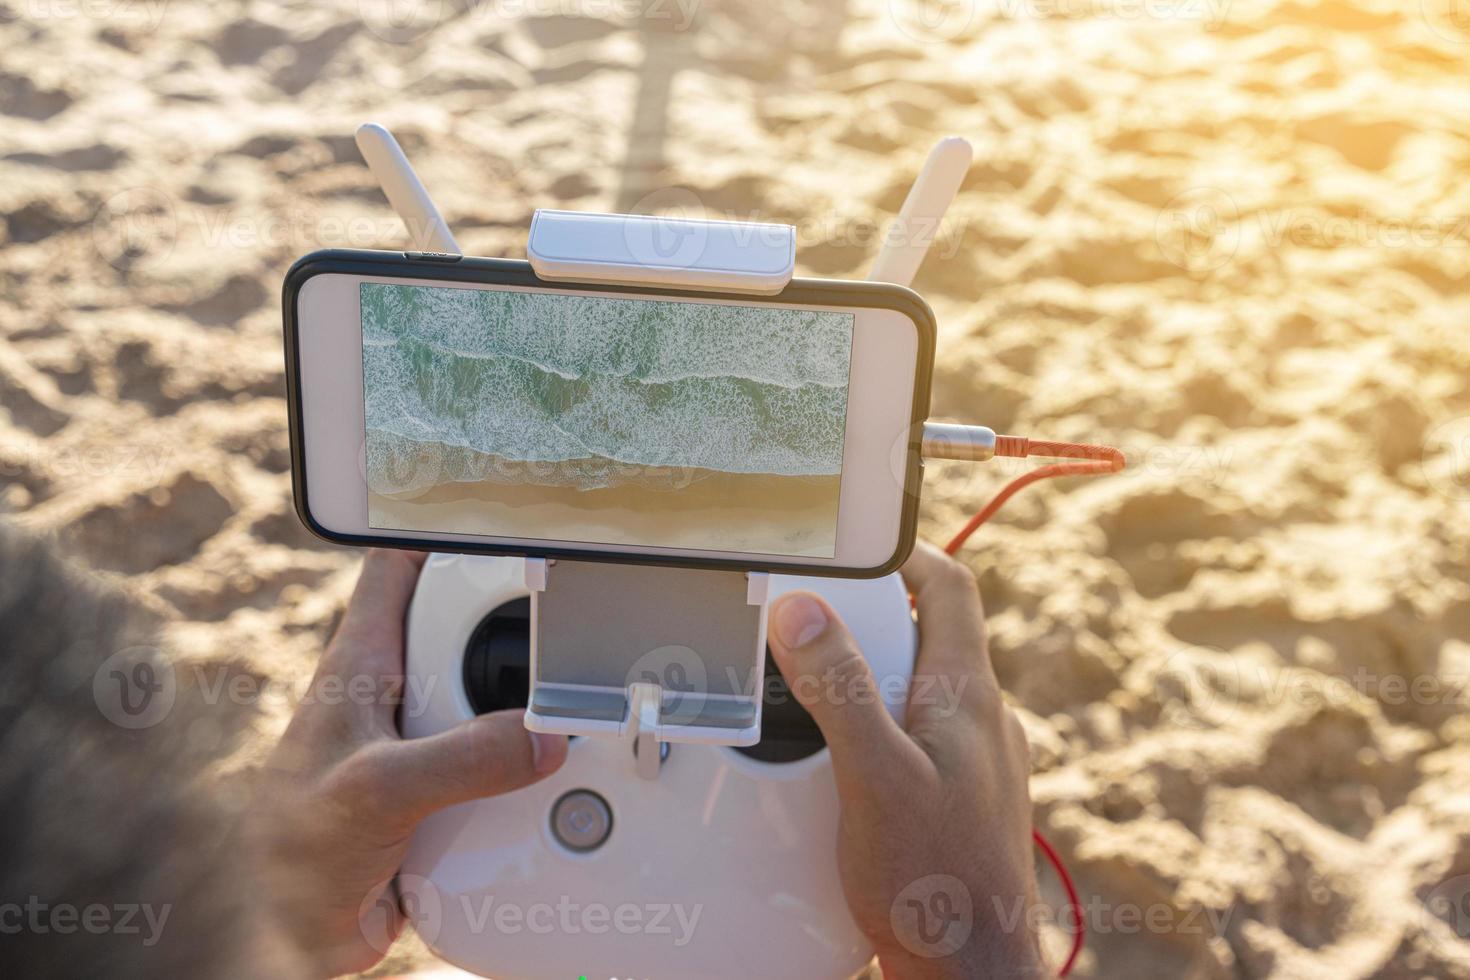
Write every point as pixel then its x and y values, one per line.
pixel 485 756
pixel 828 676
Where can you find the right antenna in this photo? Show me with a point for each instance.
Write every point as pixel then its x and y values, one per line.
pixel 917 224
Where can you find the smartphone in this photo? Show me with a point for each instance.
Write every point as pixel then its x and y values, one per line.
pixel 461 404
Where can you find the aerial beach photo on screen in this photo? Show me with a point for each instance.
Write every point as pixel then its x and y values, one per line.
pixel 562 416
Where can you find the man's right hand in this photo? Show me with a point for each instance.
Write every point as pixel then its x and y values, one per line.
pixel 934 843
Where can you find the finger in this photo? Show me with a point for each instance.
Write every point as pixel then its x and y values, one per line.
pixel 953 668
pixel 372 626
pixel 952 636
pixel 828 675
pixel 486 756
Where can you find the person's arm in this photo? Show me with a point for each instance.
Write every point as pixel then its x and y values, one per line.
pixel 934 841
pixel 342 793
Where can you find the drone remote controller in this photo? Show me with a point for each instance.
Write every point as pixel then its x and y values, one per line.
pixel 641 857
pixel 724 862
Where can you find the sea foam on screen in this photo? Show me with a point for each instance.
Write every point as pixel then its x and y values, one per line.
pixel 590 392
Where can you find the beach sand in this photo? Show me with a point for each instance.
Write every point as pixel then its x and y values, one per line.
pixel 1229 238
pixel 753 513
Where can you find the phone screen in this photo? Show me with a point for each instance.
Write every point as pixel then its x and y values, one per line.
pixel 604 420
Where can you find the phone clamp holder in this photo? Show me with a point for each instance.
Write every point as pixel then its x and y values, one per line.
pixel 646 652
pixel 651 653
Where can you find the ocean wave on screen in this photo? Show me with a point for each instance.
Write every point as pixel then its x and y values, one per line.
pixel 598 391
pixel 642 340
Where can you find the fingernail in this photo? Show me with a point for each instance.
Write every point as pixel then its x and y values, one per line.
pixel 544 754
pixel 799 620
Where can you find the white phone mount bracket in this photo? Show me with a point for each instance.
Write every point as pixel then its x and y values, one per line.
pixel 646 653
pixel 650 653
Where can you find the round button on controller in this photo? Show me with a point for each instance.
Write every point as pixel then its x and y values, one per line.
pixel 581 820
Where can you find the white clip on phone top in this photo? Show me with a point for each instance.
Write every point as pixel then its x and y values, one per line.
pixel 650 250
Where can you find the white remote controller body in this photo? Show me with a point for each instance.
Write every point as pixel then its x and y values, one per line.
pixel 723 865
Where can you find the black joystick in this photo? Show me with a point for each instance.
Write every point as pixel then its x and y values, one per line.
pixel 497 660
pixel 788 733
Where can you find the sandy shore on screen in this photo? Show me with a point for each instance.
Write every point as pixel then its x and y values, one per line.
pixel 755 513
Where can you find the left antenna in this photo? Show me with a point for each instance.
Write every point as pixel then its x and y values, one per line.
pixel 406 193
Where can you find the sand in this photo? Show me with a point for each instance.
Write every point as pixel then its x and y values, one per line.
pixel 748 513
pixel 1229 238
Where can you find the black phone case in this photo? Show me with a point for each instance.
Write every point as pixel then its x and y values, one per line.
pixel 435 266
